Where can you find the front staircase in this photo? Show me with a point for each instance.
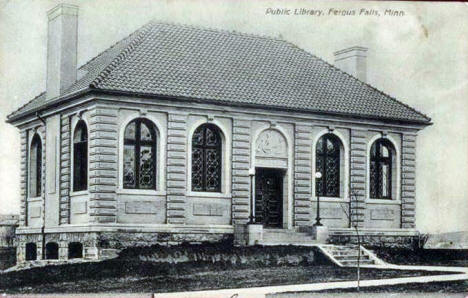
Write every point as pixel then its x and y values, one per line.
pixel 342 255
pixel 347 255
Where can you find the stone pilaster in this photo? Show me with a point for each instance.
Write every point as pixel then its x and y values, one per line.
pixel 302 174
pixel 176 170
pixel 240 172
pixel 103 142
pixel 357 191
pixel 65 134
pixel 23 177
pixel 408 181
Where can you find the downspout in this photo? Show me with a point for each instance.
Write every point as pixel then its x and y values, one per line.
pixel 43 189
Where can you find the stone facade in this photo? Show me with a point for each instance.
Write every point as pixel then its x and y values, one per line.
pixel 107 216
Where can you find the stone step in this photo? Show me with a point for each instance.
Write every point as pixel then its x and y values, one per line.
pixel 355 262
pixel 348 255
pixel 345 257
pixel 294 243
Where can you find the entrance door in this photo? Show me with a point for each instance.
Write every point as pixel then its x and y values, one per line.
pixel 269 197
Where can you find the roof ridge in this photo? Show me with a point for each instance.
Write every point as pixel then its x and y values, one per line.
pixel 122 56
pixel 227 31
pixel 361 82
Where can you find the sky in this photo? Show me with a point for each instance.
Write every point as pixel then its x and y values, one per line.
pixel 420 58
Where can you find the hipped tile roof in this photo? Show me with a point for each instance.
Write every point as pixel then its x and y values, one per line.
pixel 231 68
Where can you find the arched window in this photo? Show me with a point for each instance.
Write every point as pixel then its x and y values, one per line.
pixel 206 159
pixel 327 162
pixel 381 159
pixel 139 162
pixel 35 167
pixel 80 157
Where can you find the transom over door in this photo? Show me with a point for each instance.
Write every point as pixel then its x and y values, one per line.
pixel 269 197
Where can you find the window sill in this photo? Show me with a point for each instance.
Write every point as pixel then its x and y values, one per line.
pixel 330 199
pixel 79 193
pixel 34 199
pixel 204 194
pixel 141 192
pixel 383 201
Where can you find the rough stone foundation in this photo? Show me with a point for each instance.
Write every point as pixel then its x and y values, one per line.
pixel 376 240
pixel 102 245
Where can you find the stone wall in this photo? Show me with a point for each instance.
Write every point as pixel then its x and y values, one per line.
pixel 408 181
pixel 176 171
pixel 302 175
pixel 106 199
pixel 376 240
pixel 103 166
pixel 240 172
pixel 65 163
pixel 358 176
pixel 23 177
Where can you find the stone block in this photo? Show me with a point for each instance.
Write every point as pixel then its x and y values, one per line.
pixel 254 234
pixel 320 233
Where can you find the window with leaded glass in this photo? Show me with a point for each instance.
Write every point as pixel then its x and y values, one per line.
pixel 327 162
pixel 381 170
pixel 206 159
pixel 139 161
pixel 35 167
pixel 80 157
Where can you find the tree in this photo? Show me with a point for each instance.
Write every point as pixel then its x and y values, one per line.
pixel 354 224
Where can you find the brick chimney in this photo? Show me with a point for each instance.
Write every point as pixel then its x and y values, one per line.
pixel 353 60
pixel 61 48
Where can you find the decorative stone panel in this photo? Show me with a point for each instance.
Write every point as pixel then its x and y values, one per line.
pixel 103 140
pixel 23 177
pixel 408 181
pixel 65 135
pixel 176 170
pixel 358 176
pixel 240 171
pixel 302 174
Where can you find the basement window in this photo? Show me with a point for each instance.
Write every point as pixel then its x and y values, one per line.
pixel 75 250
pixel 31 251
pixel 51 251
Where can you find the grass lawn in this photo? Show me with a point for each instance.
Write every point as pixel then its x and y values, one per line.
pixel 120 276
pixel 430 257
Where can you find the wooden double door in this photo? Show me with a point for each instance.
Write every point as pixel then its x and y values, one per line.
pixel 269 197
